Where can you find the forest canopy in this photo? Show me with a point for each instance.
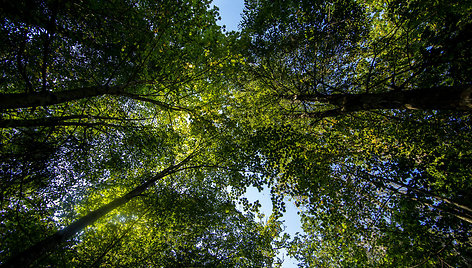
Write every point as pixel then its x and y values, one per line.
pixel 130 131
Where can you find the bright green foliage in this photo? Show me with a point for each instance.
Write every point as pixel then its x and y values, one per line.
pixel 181 224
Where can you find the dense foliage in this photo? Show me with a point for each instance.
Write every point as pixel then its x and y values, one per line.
pixel 130 131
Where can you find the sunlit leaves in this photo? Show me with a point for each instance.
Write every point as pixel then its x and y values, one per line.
pixel 181 223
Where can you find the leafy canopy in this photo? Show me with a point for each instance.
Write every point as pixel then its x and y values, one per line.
pixel 357 110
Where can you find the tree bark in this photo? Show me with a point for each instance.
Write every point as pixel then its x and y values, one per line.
pixel 77 120
pixel 36 99
pixel 43 247
pixel 24 100
pixel 455 98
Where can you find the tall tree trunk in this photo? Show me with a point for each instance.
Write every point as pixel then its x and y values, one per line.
pixel 43 247
pixel 457 98
pixel 36 99
pixel 69 120
pixel 24 100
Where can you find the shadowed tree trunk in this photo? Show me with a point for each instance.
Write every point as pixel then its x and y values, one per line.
pixel 70 120
pixel 36 99
pixel 23 100
pixel 437 98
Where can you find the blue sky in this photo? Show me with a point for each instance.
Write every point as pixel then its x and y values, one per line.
pixel 230 12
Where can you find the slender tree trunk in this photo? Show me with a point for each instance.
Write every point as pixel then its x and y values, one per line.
pixel 457 98
pixel 45 246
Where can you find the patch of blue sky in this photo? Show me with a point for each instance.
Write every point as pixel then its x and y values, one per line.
pixel 230 13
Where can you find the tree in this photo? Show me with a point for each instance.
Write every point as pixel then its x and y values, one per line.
pixel 72 57
pixel 27 257
pixel 361 57
pixel 98 95
pixel 364 107
pixel 197 234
